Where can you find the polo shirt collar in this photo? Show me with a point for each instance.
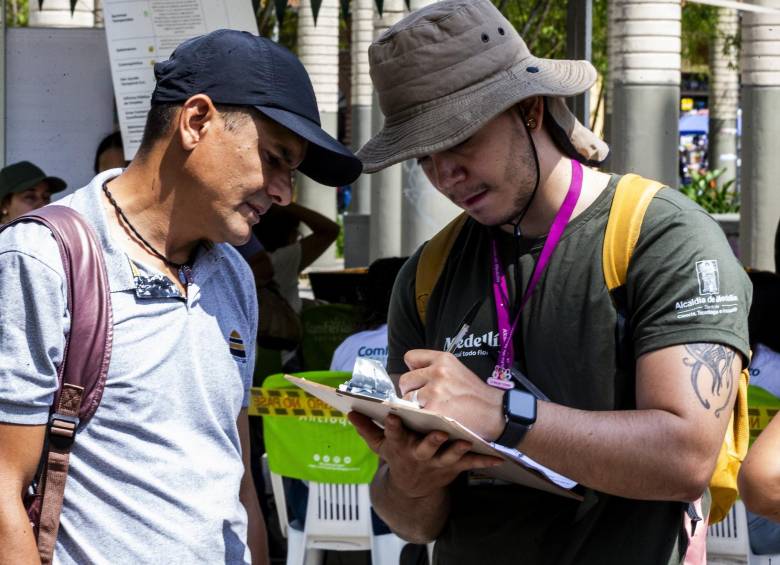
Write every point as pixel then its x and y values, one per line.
pixel 89 202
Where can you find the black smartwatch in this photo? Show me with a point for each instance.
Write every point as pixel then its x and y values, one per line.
pixel 520 415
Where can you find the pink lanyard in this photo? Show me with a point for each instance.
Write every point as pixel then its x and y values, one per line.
pixel 506 330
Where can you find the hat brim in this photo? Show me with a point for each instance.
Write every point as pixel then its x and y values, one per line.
pixel 327 161
pixel 55 184
pixel 445 122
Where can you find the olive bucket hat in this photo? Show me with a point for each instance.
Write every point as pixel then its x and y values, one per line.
pixel 24 175
pixel 447 69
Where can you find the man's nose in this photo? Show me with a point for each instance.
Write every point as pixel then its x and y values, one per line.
pixel 280 188
pixel 447 172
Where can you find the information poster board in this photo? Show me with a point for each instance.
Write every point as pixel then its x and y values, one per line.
pixel 141 32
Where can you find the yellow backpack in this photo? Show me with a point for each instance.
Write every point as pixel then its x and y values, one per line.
pixel 632 197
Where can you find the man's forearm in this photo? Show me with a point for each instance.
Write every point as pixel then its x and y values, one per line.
pixel 257 537
pixel 16 536
pixel 418 520
pixel 759 477
pixel 640 454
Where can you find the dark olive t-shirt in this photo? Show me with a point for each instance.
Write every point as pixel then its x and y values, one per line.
pixel 684 285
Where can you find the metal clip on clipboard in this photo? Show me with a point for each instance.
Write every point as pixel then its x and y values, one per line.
pixel 369 378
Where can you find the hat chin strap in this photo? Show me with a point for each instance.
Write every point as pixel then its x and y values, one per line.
pixel 516 224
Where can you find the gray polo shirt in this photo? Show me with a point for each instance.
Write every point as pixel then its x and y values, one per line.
pixel 155 474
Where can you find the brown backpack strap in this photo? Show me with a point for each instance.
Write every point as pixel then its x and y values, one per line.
pixel 431 262
pixel 61 434
pixel 82 373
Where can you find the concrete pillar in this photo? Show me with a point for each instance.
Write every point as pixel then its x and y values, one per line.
pixel 56 13
pixel 318 49
pixel 760 169
pixel 425 210
pixel 724 96
pixel 385 185
pixel 362 90
pixel 645 132
pixel 609 91
pixel 357 229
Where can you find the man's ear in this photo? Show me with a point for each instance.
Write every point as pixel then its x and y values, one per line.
pixel 532 107
pixel 196 118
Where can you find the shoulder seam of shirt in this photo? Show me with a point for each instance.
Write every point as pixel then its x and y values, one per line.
pixel 36 259
pixel 661 195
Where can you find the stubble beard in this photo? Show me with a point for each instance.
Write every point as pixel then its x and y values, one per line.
pixel 520 173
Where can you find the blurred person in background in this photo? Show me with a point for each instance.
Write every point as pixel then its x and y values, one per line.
pixel 110 154
pixel 25 187
pixel 279 233
pixel 371 342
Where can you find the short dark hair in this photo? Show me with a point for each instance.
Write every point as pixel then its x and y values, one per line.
pixel 111 141
pixel 159 120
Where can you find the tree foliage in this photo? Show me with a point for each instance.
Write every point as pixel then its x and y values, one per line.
pixel 542 24
pixel 17 13
pixel 699 26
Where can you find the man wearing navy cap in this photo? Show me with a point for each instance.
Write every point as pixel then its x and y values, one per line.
pixel 161 473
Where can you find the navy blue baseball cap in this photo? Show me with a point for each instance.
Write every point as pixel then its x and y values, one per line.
pixel 237 67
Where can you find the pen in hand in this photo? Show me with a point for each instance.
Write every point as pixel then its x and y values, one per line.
pixel 464 328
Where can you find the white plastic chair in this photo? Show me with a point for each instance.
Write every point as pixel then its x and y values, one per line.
pixel 338 517
pixel 729 539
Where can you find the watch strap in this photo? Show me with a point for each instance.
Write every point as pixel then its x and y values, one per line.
pixel 512 435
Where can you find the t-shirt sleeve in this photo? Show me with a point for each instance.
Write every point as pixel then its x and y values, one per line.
pixel 684 284
pixel 404 329
pixel 250 344
pixel 337 362
pixel 33 324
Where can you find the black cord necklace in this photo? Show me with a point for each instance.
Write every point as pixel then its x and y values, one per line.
pixel 184 270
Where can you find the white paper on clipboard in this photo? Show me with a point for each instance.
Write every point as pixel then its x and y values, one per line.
pixel 516 467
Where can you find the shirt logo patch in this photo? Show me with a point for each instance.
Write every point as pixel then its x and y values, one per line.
pixel 709 302
pixel 709 277
pixel 473 345
pixel 236 345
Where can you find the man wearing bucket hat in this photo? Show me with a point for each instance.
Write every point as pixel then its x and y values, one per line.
pixel 161 473
pixel 25 187
pixel 485 120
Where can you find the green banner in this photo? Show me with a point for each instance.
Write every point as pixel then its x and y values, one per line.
pixel 303 444
pixel 324 328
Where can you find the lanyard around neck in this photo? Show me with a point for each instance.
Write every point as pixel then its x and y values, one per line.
pixel 506 328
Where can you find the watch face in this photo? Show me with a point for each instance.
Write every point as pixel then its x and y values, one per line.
pixel 521 407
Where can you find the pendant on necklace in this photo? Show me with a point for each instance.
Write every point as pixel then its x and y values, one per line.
pixel 185 275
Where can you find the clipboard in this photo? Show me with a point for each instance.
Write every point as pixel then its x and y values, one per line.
pixel 521 471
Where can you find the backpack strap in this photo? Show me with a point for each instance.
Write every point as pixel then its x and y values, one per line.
pixel 633 195
pixel 431 262
pixel 82 373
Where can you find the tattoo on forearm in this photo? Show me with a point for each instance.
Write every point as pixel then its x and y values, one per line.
pixel 710 363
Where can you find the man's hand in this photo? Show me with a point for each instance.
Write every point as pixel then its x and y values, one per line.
pixel 419 465
pixel 414 476
pixel 444 385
